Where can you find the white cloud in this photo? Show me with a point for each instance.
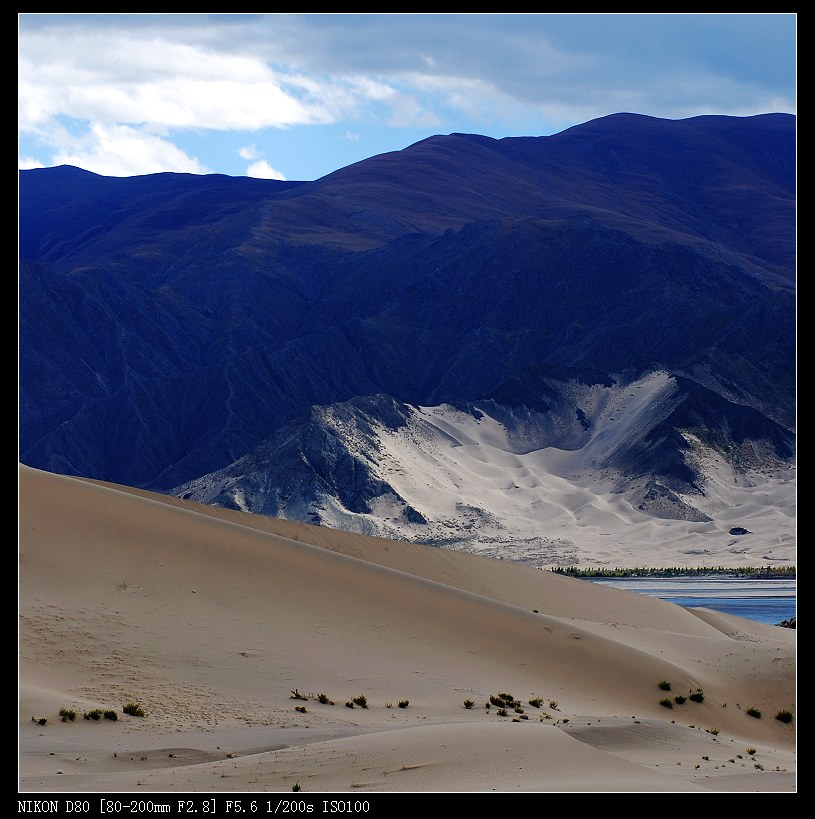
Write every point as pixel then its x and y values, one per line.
pixel 351 136
pixel 119 150
pixel 25 163
pixel 248 152
pixel 263 170
pixel 407 112
pixel 116 78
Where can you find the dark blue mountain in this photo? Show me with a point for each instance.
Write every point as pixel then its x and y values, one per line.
pixel 168 324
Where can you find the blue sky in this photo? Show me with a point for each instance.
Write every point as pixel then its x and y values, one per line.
pixel 296 96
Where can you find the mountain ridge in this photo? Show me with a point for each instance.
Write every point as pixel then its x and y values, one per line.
pixel 170 324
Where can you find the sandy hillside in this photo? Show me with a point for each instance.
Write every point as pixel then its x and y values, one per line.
pixel 210 619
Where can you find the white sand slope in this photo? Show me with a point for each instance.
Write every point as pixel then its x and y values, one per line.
pixel 537 489
pixel 211 618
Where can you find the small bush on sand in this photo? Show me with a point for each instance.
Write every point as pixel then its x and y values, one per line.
pixel 403 703
pixel 361 701
pixel 536 702
pixel 349 704
pixel 696 696
pixel 295 787
pixel 468 704
pixel 502 712
pixel 753 712
pixel 95 714
pixel 784 716
pixel 553 704
pixel 713 731
pixel 666 703
pixel 300 708
pixel 664 685
pixel 134 709
pixel 111 715
pixel 323 698
pixel 751 751
pixel 67 714
pixel 679 699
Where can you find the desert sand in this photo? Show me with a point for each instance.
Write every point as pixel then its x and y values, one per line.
pixel 212 619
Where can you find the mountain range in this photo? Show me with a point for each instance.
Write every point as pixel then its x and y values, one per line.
pixel 518 346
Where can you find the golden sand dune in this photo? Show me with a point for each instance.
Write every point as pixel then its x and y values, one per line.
pixel 211 619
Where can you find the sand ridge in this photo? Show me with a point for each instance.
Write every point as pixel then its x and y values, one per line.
pixel 211 619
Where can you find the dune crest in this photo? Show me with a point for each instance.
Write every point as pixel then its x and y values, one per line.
pixel 214 621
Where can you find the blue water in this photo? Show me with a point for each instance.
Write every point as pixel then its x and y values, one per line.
pixel 770 610
pixel 767 601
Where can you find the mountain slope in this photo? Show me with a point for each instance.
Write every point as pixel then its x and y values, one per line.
pixel 536 487
pixel 171 324
pixel 137 602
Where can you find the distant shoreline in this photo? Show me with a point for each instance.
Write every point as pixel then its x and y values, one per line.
pixel 745 572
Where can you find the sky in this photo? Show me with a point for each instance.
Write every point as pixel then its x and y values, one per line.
pixel 297 96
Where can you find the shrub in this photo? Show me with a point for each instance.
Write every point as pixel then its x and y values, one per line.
pixel 95 714
pixel 784 716
pixel 666 703
pixel 40 720
pixel 565 720
pixel 403 703
pixel 504 700
pixel 751 751
pixel 296 695
pixel 536 702
pixel 111 715
pixel 295 787
pixel 502 712
pixel 323 698
pixel 679 699
pixel 300 708
pixel 518 709
pixel 349 704
pixel 697 696
pixel 713 731
pixel 361 701
pixel 753 712
pixel 67 714
pixel 468 704
pixel 664 685
pixel 134 709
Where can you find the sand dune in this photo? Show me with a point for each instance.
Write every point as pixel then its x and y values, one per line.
pixel 211 618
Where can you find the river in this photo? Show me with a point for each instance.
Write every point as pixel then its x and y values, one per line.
pixel 767 601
